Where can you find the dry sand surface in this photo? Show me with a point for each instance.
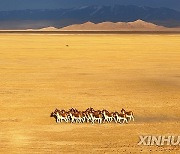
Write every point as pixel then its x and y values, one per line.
pixel 135 71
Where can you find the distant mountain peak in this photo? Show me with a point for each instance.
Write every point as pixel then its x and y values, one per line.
pixel 144 24
pixel 89 23
pixel 139 21
pixel 48 29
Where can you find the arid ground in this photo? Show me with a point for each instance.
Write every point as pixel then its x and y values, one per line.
pixel 38 73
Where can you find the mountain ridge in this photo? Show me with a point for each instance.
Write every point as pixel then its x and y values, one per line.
pixel 118 26
pixel 138 25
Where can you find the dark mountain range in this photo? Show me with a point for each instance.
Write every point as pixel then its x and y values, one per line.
pixel 7 5
pixel 25 19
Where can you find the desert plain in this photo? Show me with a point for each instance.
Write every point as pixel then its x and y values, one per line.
pixel 38 73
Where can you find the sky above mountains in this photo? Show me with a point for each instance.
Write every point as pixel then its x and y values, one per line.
pixel 6 5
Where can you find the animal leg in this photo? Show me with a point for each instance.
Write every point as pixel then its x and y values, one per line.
pixel 132 117
pixel 115 120
pixel 100 121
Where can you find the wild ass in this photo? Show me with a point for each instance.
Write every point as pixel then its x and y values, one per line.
pixel 128 114
pixel 96 116
pixel 108 117
pixel 119 117
pixel 60 115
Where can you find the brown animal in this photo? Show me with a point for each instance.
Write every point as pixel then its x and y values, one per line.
pixel 96 116
pixel 120 116
pixel 129 114
pixel 108 117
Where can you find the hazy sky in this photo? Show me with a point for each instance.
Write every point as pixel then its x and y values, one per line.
pixel 52 4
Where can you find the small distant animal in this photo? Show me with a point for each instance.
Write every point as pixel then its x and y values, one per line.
pixel 129 115
pixel 67 45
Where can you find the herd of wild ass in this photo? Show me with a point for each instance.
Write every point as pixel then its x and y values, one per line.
pixel 92 116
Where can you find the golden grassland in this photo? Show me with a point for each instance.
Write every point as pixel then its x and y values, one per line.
pixel 139 72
